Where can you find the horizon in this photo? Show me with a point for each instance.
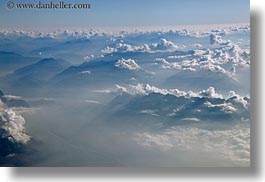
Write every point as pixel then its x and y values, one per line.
pixel 102 29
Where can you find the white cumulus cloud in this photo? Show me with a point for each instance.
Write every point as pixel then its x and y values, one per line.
pixel 163 46
pixel 13 125
pixel 129 64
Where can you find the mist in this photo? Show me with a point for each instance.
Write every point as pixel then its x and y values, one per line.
pixel 175 98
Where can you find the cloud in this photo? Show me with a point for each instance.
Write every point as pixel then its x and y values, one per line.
pixel 195 65
pixel 89 57
pixel 92 101
pixel 150 112
pixel 178 56
pixel 122 47
pixel 230 103
pixel 217 39
pixel 13 125
pixel 237 98
pixel 129 64
pixel 141 89
pixel 87 72
pixel 12 97
pixel 232 144
pixel 191 119
pixel 225 107
pixel 197 45
pixel 107 91
pixel 163 46
pixel 223 60
pixel 114 34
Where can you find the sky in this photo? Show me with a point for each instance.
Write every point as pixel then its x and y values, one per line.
pixel 127 13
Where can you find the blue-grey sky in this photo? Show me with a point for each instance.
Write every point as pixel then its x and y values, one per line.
pixel 129 13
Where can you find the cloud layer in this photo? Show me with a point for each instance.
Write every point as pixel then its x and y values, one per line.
pixel 145 89
pixel 90 33
pixel 231 145
pixel 223 60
